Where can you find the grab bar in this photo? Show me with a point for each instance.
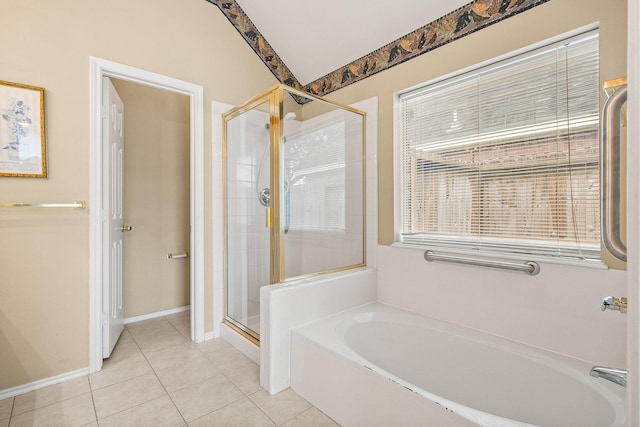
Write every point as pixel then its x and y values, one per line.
pixel 530 267
pixel 610 174
pixel 177 256
pixel 75 205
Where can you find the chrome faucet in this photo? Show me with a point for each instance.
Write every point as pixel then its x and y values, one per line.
pixel 617 376
pixel 613 303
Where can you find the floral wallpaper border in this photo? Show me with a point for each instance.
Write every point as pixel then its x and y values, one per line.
pixel 464 21
pixel 258 43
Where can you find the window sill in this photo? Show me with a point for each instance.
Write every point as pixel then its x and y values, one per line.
pixel 500 255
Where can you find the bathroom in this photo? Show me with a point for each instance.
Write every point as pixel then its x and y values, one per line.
pixel 557 310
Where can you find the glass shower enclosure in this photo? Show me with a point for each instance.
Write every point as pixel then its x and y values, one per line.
pixel 294 194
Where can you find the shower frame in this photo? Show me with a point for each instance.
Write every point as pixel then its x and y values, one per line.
pixel 275 97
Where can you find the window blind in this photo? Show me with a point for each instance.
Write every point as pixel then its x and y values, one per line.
pixel 315 167
pixel 505 158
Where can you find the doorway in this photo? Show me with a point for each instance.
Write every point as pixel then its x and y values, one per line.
pixel 98 175
pixel 156 203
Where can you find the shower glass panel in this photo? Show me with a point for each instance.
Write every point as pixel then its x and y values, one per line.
pixel 323 187
pixel 247 194
pixel 295 196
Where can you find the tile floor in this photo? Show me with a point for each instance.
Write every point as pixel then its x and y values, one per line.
pixel 157 377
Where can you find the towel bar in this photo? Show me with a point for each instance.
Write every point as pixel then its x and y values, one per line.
pixel 76 205
pixel 177 256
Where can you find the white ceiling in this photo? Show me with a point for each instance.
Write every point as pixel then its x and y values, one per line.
pixel 316 38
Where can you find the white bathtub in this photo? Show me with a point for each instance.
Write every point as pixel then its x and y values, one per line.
pixel 379 366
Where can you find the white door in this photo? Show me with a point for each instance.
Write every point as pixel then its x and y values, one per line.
pixel 113 143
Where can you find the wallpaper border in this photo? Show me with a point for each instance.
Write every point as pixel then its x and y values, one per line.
pixel 464 21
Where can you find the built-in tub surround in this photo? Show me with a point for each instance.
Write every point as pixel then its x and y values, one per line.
pixel 287 306
pixel 377 366
pixel 556 310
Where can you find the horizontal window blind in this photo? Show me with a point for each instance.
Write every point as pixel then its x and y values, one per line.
pixel 505 158
pixel 315 167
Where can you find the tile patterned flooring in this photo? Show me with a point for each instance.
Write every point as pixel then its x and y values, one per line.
pixel 157 377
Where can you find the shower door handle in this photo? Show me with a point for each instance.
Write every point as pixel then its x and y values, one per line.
pixel 610 165
pixel 269 221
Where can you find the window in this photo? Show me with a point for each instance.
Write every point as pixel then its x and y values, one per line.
pixel 505 157
pixel 315 170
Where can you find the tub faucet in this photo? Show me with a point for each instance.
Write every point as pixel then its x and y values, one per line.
pixel 613 303
pixel 617 376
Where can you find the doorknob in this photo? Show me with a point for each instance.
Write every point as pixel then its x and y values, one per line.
pixel 125 228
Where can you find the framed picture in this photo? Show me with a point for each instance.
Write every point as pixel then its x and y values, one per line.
pixel 22 134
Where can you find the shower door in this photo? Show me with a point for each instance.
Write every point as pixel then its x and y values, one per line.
pixel 248 172
pixel 294 196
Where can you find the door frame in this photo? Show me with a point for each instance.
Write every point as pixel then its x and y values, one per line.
pixel 100 68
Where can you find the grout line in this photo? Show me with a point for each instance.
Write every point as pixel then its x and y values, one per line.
pixel 133 407
pixel 158 378
pixel 174 327
pixel 93 402
pixel 13 405
pixel 121 381
pixel 47 405
pixel 244 394
pixel 260 409
pixel 143 403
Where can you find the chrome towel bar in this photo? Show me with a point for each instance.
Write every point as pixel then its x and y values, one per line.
pixel 75 205
pixel 177 256
pixel 530 267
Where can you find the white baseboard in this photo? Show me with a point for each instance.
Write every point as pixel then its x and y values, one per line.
pixel 142 317
pixel 36 385
pixel 209 335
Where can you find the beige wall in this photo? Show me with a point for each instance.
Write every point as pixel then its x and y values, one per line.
pixel 44 255
pixel 156 198
pixel 548 20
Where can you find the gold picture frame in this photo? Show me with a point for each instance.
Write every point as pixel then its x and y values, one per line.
pixel 22 131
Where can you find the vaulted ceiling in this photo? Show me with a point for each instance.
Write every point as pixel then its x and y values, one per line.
pixel 313 41
pixel 323 46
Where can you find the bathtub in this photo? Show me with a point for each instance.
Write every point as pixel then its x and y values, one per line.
pixel 380 366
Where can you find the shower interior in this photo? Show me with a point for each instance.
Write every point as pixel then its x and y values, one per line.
pixel 294 185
